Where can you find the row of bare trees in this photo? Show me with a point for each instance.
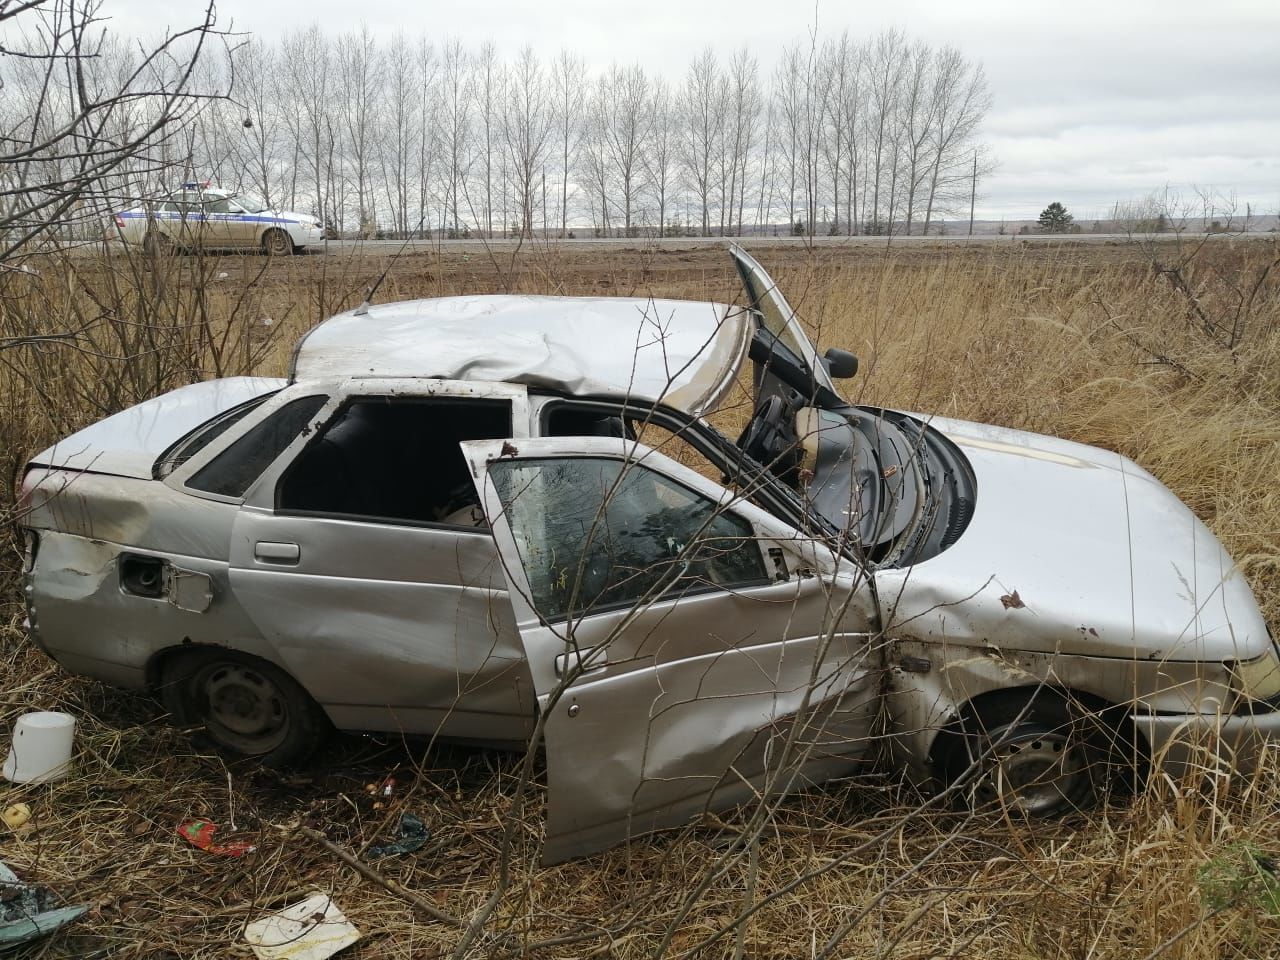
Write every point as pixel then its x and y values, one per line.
pixel 410 136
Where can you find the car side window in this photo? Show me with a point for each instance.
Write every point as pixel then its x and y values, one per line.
pixel 217 205
pixel 597 533
pixel 199 438
pixel 232 472
pixel 395 460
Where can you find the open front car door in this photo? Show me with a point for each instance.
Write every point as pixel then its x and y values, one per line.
pixel 688 650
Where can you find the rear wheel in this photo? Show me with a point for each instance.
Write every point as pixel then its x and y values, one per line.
pixel 156 244
pixel 1031 753
pixel 246 706
pixel 277 243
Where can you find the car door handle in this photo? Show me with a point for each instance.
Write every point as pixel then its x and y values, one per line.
pixel 271 552
pixel 589 660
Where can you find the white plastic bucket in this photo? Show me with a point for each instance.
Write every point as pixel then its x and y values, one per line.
pixel 41 747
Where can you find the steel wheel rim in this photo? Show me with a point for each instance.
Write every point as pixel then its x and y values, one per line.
pixel 277 243
pixel 243 707
pixel 1033 771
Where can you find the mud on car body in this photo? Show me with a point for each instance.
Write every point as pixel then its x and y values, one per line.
pixel 458 515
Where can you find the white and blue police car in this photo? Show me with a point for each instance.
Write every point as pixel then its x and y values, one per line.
pixel 199 216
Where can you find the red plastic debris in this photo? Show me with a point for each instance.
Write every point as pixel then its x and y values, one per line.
pixel 200 834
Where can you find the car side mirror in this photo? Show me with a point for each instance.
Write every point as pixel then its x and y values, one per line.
pixel 840 364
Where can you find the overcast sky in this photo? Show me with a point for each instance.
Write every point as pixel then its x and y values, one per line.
pixel 1093 101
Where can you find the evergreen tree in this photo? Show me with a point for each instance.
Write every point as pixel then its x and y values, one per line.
pixel 1055 219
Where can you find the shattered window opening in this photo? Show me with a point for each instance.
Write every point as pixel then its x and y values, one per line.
pixel 596 533
pixel 395 460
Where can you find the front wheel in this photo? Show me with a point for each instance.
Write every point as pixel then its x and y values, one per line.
pixel 248 707
pixel 277 243
pixel 1031 753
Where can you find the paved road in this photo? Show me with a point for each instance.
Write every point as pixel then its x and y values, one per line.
pixel 386 247
pixel 378 247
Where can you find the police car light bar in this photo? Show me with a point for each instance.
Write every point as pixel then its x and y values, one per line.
pixel 197 185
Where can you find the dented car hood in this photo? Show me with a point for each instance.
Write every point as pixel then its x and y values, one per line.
pixel 128 443
pixel 1066 534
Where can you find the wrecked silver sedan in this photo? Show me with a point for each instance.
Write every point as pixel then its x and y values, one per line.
pixel 489 518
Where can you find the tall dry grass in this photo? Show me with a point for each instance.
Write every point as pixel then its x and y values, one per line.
pixel 1088 343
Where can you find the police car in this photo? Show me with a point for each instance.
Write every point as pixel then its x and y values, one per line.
pixel 204 217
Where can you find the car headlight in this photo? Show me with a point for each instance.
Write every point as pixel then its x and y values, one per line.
pixel 1257 684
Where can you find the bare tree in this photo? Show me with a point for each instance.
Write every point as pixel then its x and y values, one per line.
pixel 308 71
pixel 260 142
pixel 743 103
pixel 884 72
pixel 624 119
pixel 455 128
pixel 488 86
pixel 917 120
pixel 526 126
pixel 660 149
pixel 594 166
pixel 568 81
pixel 702 119
pixel 962 99
pixel 360 75
pixel 402 120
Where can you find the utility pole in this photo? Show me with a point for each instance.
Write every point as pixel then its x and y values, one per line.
pixel 973 191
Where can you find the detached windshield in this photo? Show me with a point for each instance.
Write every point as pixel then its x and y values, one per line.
pixel 250 203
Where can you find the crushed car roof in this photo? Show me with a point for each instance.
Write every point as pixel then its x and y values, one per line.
pixel 683 354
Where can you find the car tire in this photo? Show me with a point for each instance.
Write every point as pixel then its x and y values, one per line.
pixel 246 706
pixel 156 244
pixel 277 243
pixel 1028 752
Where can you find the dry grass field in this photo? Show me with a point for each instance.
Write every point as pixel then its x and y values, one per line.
pixel 1168 354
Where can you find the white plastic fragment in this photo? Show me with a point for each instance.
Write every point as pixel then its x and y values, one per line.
pixel 313 929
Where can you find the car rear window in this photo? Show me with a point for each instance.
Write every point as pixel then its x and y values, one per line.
pixel 199 438
pixel 233 471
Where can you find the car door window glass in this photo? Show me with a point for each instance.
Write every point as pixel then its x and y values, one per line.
pixel 220 205
pixel 599 533
pixel 233 471
pixel 395 460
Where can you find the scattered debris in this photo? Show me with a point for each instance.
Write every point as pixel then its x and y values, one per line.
pixel 200 834
pixel 25 914
pixel 413 833
pixel 16 815
pixel 1011 601
pixel 313 929
pixel 369 873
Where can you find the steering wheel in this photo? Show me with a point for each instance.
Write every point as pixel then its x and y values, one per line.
pixel 768 435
